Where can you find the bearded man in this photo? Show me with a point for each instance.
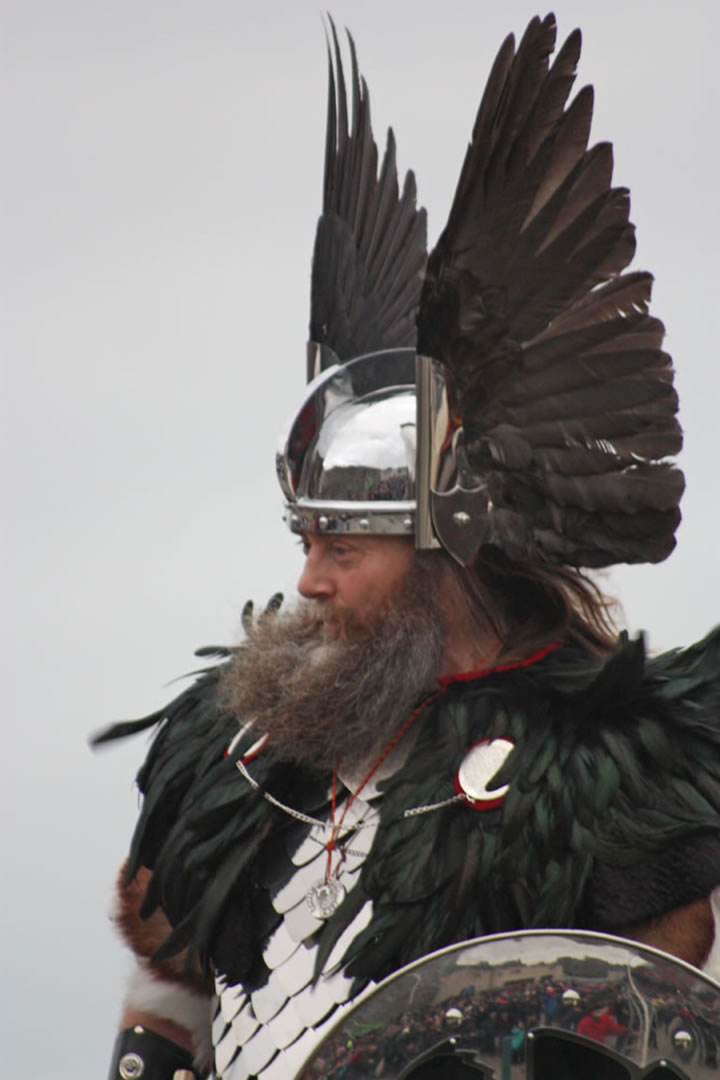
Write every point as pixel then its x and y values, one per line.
pixel 443 739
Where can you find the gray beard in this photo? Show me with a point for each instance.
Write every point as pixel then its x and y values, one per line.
pixel 333 702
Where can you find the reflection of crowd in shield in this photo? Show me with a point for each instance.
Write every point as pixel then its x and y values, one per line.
pixel 491 1021
pixel 495 1025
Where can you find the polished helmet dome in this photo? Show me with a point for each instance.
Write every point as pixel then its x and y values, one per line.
pixel 348 464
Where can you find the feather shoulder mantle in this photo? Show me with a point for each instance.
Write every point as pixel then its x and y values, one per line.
pixel 614 761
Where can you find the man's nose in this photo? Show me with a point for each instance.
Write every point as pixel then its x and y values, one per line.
pixel 315 583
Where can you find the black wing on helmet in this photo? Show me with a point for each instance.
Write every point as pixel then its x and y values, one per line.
pixel 565 394
pixel 370 244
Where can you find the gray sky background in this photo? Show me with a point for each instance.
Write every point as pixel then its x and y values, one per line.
pixel 161 183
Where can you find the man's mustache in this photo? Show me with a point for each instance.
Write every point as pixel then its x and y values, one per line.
pixel 334 619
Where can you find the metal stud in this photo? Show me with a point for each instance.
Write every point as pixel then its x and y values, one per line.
pixel 131 1066
pixel 294 520
pixel 322 523
pixel 408 523
pixel 364 524
pixel 460 517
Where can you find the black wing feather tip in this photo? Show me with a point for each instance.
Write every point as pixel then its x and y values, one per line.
pixel 370 242
pixel 534 249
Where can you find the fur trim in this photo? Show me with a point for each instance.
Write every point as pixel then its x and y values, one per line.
pixel 711 966
pixel 685 932
pixel 148 993
pixel 145 936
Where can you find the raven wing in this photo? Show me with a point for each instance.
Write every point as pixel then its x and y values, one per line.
pixel 564 392
pixel 370 245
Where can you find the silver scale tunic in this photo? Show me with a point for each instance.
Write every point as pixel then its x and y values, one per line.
pixel 270 1032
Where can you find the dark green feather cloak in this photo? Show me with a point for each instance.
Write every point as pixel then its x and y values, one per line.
pixel 612 814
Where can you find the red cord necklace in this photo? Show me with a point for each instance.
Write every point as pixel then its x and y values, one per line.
pixel 326 895
pixel 332 845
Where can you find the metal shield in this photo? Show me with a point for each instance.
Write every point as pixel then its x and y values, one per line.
pixel 538 1005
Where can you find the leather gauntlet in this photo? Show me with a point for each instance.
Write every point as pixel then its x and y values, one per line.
pixel 140 1054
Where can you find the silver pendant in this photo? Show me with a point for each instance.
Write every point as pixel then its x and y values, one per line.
pixel 325 897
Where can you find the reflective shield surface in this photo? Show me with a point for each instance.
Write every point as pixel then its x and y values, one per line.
pixel 539 1005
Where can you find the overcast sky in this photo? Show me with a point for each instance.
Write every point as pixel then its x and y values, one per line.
pixel 161 182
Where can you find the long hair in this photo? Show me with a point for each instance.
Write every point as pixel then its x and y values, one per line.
pixel 526 606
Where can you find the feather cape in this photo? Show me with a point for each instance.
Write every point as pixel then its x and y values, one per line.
pixel 612 814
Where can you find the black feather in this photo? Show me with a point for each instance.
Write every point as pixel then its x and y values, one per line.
pixel 616 764
pixel 370 245
pixel 564 394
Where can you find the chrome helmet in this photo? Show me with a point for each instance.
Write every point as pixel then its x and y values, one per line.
pixel 510 387
pixel 348 465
